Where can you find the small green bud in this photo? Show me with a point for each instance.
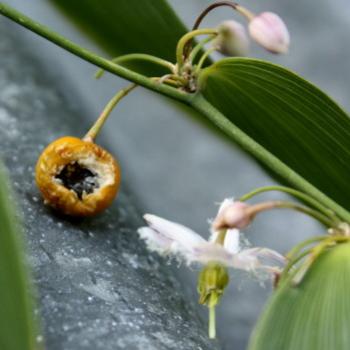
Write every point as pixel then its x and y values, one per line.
pixel 212 281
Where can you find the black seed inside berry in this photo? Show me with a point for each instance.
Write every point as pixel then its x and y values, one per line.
pixel 77 178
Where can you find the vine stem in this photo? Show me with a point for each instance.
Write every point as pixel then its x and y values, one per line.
pixel 196 101
pixel 96 128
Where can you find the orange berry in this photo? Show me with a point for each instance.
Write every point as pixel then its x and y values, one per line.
pixel 77 177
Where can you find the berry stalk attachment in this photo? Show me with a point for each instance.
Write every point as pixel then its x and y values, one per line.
pixel 76 176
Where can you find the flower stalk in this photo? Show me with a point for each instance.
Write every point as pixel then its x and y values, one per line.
pixel 180 53
pixel 96 128
pixel 138 57
pixel 264 206
pixel 304 197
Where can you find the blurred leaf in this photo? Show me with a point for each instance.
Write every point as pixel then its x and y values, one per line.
pixel 17 326
pixel 288 116
pixel 128 26
pixel 313 316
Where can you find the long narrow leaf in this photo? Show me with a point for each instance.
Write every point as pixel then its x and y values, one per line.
pixel 17 326
pixel 128 26
pixel 287 115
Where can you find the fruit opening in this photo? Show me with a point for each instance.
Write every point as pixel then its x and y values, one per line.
pixel 78 179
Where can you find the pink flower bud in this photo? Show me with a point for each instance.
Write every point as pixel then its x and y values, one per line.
pixel 269 31
pixel 234 215
pixel 232 39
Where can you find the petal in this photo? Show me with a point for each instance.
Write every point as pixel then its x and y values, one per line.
pixel 155 241
pixel 211 252
pixel 173 231
pixel 231 242
pixel 225 203
pixel 258 258
pixel 172 238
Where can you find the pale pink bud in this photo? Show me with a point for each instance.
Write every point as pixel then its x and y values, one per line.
pixel 269 31
pixel 234 215
pixel 232 39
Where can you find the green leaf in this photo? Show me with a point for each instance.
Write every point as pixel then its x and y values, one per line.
pixel 17 326
pixel 288 116
pixel 313 316
pixel 128 26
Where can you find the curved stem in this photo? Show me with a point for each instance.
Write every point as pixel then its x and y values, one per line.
pixel 189 36
pixel 96 128
pixel 196 101
pixel 203 58
pixel 294 261
pixel 139 57
pixel 295 250
pixel 297 194
pixel 258 208
pixel 243 11
pixel 210 8
pixel 199 47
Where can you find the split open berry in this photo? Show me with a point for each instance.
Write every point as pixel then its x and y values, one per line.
pixel 77 177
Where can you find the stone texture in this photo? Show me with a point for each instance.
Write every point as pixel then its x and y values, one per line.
pixel 98 287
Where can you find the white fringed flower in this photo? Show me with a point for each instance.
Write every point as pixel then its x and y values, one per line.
pixel 170 238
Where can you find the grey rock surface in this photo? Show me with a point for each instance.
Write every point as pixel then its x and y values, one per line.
pixel 98 287
pixel 181 180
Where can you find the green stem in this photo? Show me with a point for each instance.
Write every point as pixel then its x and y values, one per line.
pixel 212 322
pixel 285 273
pixel 187 37
pixel 203 58
pixel 264 206
pixel 139 57
pixel 197 102
pixel 297 194
pixel 91 57
pixel 96 128
pixel 199 47
pixel 295 250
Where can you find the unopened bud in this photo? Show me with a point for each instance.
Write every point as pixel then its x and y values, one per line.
pixel 232 39
pixel 269 31
pixel 234 215
pixel 212 281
